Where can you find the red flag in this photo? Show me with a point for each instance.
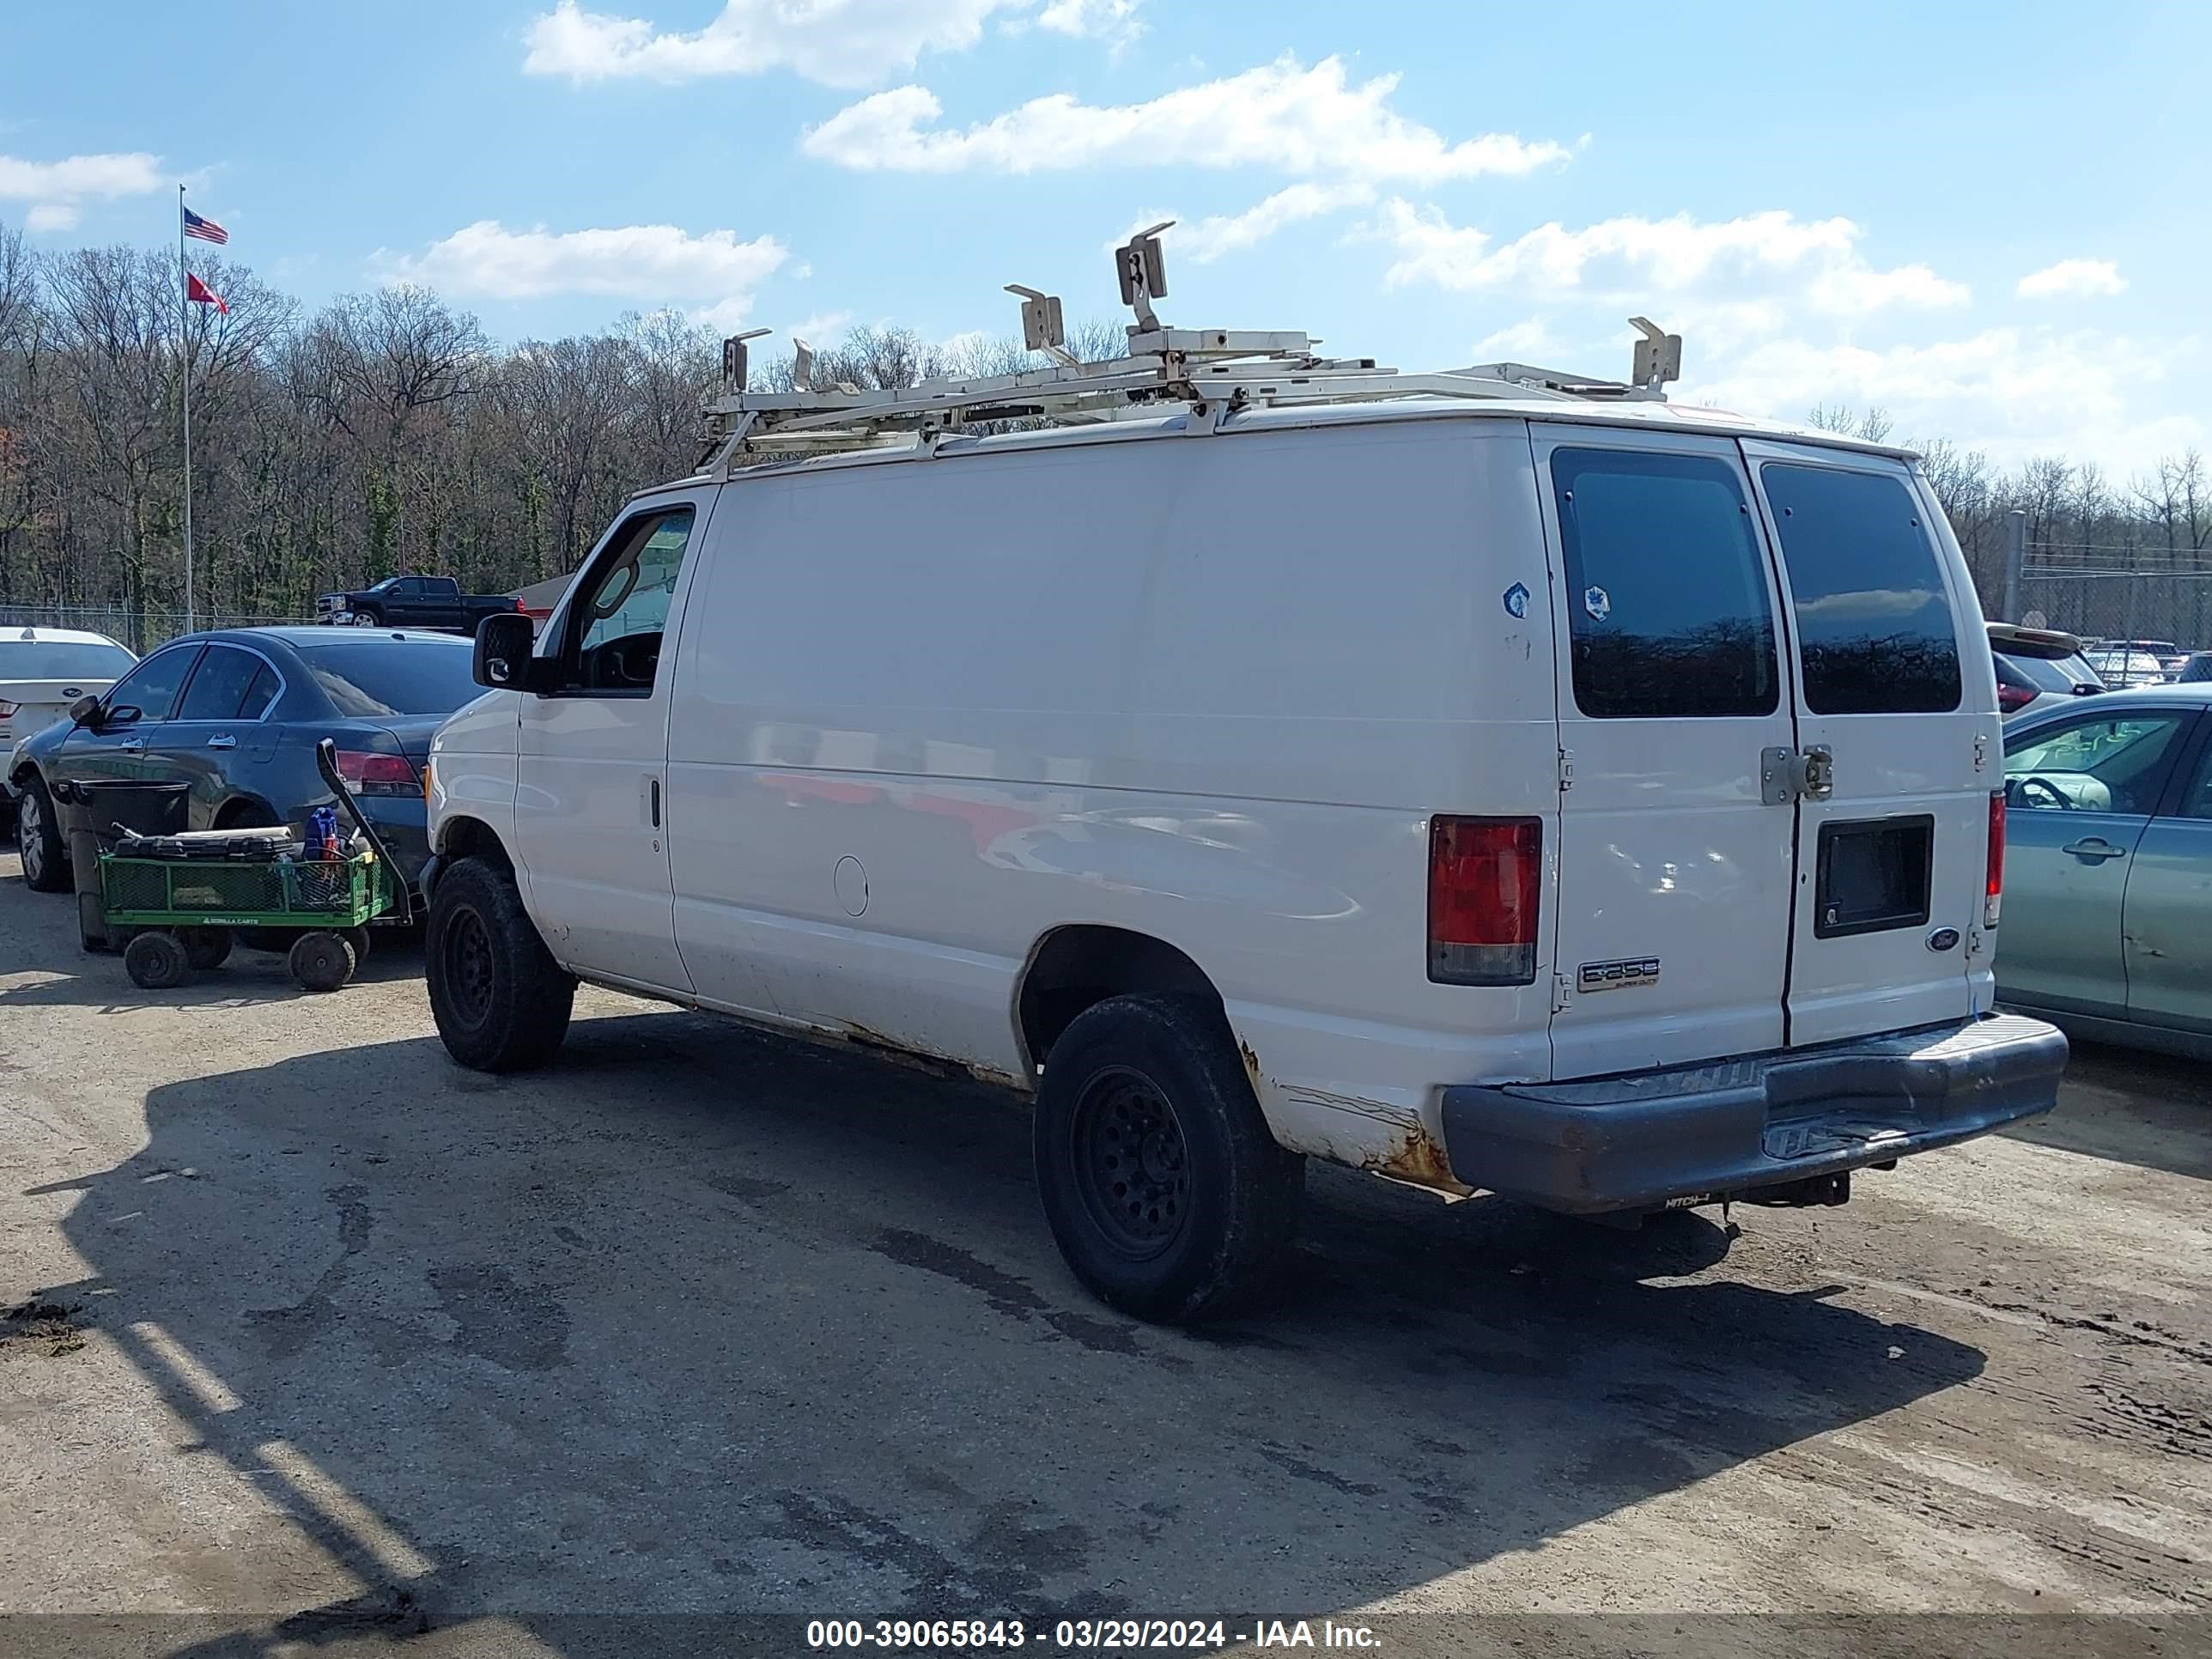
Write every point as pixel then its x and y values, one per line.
pixel 201 295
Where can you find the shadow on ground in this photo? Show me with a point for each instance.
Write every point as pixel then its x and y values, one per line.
pixel 96 979
pixel 2133 1107
pixel 701 1320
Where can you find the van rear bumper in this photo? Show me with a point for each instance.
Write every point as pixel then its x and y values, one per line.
pixel 1646 1139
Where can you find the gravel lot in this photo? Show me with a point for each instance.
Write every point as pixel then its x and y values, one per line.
pixel 327 1340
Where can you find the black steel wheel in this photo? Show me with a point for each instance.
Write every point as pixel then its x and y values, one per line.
pixel 320 960
pixel 501 1002
pixel 206 947
pixel 39 841
pixel 1132 1164
pixel 156 961
pixel 1165 1189
pixel 358 937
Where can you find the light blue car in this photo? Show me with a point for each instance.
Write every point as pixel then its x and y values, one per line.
pixel 2107 921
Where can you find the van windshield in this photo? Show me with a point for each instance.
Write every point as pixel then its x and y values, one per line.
pixel 1876 631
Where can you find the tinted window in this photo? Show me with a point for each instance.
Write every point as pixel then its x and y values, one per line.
pixel 152 687
pixel 1874 629
pixel 2043 674
pixel 367 679
pixel 219 684
pixel 260 694
pixel 1667 602
pixel 2117 764
pixel 62 660
pixel 439 587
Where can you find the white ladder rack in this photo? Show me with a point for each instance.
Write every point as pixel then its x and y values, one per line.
pixel 1212 372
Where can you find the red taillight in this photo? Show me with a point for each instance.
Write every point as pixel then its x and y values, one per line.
pixel 1994 894
pixel 2011 699
pixel 367 773
pixel 1486 882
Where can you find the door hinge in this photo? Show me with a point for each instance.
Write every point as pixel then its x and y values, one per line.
pixel 1561 987
pixel 1786 775
pixel 1981 750
pixel 1567 771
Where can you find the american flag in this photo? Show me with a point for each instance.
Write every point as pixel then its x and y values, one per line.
pixel 206 229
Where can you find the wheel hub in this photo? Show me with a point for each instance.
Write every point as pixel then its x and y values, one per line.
pixel 1132 1163
pixel 468 966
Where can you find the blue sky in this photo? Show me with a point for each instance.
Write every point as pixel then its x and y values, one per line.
pixel 1989 219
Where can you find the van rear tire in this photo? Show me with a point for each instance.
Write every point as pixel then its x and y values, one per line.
pixel 501 1003
pixel 1166 1192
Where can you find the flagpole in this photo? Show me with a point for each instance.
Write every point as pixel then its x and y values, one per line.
pixel 185 396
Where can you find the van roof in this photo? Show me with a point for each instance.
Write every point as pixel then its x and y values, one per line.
pixel 1649 415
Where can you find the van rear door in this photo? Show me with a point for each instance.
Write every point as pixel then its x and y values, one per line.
pixel 1900 726
pixel 1671 934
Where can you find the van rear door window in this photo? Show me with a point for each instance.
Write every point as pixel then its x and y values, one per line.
pixel 1667 597
pixel 1874 627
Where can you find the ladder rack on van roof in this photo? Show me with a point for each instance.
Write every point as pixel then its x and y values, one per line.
pixel 1212 372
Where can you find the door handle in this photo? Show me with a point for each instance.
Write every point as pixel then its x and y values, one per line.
pixel 2095 847
pixel 132 745
pixel 225 741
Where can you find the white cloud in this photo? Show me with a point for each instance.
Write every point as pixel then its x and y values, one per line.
pixel 1529 341
pixel 655 264
pixel 821 328
pixel 1206 239
pixel 839 43
pixel 1630 258
pixel 1281 115
pixel 74 176
pixel 1112 21
pixel 54 188
pixel 2014 392
pixel 2072 279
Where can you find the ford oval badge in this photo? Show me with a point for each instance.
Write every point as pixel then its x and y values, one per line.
pixel 1943 939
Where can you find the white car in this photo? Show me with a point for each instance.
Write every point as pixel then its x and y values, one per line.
pixel 1576 799
pixel 42 672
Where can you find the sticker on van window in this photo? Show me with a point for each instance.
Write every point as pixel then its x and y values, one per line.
pixel 1598 602
pixel 1516 600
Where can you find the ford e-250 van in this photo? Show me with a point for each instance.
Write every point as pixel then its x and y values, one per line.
pixel 1521 789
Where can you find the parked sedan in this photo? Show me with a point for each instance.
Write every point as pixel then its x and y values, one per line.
pixel 237 715
pixel 2107 922
pixel 42 672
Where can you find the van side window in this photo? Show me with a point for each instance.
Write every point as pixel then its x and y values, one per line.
pixel 613 643
pixel 1875 628
pixel 1667 597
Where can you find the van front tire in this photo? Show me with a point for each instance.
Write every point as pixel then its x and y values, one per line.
pixel 501 1001
pixel 1167 1193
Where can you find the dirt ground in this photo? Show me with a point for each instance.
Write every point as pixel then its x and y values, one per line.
pixel 326 1342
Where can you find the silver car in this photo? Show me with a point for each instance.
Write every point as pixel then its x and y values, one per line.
pixel 2107 921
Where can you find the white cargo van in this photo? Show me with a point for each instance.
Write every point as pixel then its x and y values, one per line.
pixel 1539 789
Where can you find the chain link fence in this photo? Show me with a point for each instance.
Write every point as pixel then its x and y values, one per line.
pixel 140 629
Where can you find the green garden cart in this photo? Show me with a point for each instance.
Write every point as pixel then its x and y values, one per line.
pixel 174 903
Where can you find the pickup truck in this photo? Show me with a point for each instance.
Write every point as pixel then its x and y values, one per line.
pixel 415 602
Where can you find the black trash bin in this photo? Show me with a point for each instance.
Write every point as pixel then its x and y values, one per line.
pixel 90 815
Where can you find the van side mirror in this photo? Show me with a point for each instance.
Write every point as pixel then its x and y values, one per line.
pixel 85 711
pixel 506 656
